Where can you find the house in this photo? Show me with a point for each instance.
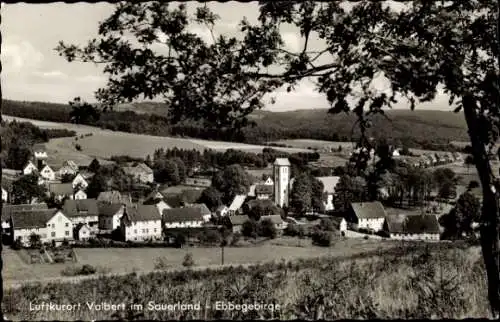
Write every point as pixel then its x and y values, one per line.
pixel 82 232
pixel 80 181
pixel 367 215
pixel 84 211
pixel 396 153
pixel 157 199
pixel 30 168
pixel 222 211
pixel 69 167
pixel 278 222
pixel 433 159
pixel 114 197
pixel 50 224
pixel 110 215
pixel 140 172
pixel 251 190
pixel 141 222
pixel 236 222
pixel 416 227
pixel 47 173
pixel 198 182
pixel 264 191
pixel 61 190
pixel 188 217
pixel 205 212
pixel 235 206
pixel 329 184
pixel 80 194
pixel 40 154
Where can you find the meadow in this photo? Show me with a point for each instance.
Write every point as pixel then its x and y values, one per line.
pixel 412 281
pixel 128 260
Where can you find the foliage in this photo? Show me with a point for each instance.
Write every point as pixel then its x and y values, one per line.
pixel 211 197
pixel 231 181
pixel 26 189
pixel 249 228
pixel 349 189
pixel 161 263
pixel 459 221
pixel 188 260
pixel 266 228
pixel 307 194
pixel 322 238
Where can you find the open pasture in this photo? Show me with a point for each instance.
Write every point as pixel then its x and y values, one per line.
pixel 319 144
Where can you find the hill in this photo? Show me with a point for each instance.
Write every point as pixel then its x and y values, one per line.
pixel 415 128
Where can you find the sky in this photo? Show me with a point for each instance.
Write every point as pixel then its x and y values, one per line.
pixel 33 71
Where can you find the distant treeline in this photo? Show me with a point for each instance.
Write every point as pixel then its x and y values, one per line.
pixel 419 129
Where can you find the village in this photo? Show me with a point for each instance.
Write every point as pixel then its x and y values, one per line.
pixel 174 216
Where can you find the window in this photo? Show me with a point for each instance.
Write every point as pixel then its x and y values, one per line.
pixel 147 230
pixel 53 225
pixel 135 231
pixel 154 230
pixel 66 233
pixel 48 225
pixel 53 234
pixel 66 225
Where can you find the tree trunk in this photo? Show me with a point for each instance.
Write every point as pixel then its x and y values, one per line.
pixel 490 210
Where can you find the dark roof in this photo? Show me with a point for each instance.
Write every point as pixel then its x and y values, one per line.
pixel 238 219
pixel 182 214
pixel 203 208
pixel 80 207
pixel 368 210
pixel 154 195
pixel 275 219
pixel 8 210
pixel 174 201
pixel 263 202
pixel 108 209
pixel 264 189
pixel 32 218
pixel 142 213
pixel 188 196
pixel 61 189
pixel 419 224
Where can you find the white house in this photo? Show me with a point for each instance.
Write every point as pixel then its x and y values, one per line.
pixel 189 217
pixel 83 232
pixel 140 172
pixel 413 227
pixel 8 210
pixel 396 153
pixel 367 215
pixel 80 194
pixel 110 215
pixel 281 181
pixel 84 211
pixel 222 211
pixel 142 222
pixel 48 173
pixel 269 181
pixel 236 205
pixel 329 184
pixel 30 168
pixel 80 181
pixel 50 225
pixel 263 191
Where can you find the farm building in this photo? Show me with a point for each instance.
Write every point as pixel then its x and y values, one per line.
pixel 110 215
pixel 114 197
pixel 8 210
pixel 205 212
pixel 141 222
pixel 83 211
pixel 182 218
pixel 49 224
pixel 367 215
pixel 329 184
pixel 418 227
pixel 69 167
pixel 140 172
pixel 236 204
pixel 157 199
pixel 61 190
pixel 264 191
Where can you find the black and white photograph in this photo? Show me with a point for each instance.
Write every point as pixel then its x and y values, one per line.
pixel 262 160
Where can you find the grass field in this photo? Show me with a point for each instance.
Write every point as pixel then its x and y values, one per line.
pixel 127 260
pixel 305 143
pixel 103 144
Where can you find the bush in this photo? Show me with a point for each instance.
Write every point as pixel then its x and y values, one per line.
pixel 78 147
pixel 82 270
pixel 161 263
pixel 266 228
pixel 188 260
pixel 249 228
pixel 322 238
pixel 235 238
pixel 292 230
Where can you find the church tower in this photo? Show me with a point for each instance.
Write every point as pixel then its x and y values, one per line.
pixel 281 170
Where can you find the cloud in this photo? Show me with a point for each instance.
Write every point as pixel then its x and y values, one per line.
pixel 91 79
pixel 19 56
pixel 53 74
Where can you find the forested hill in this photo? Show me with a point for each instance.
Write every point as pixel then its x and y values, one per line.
pixel 414 127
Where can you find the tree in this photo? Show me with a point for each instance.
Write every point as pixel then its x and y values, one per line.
pixel 211 197
pixel 266 228
pixel 26 189
pixel 17 156
pixel 83 113
pixel 428 46
pixel 249 228
pixel 188 260
pixel 231 181
pixel 167 171
pixel 468 209
pixel 97 184
pixel 67 177
pixel 94 166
